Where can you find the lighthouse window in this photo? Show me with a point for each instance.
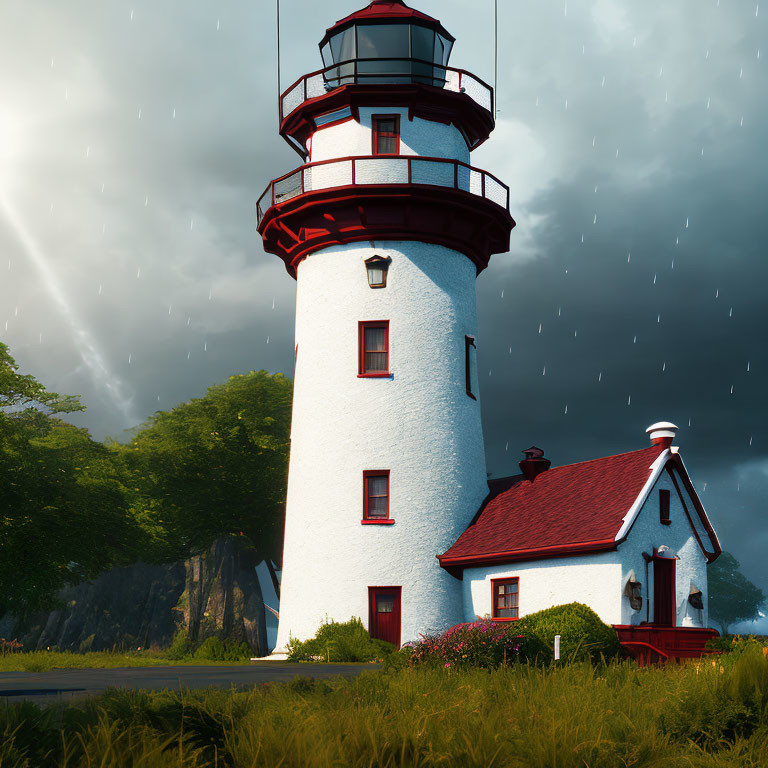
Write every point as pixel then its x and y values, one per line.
pixel 469 345
pixel 386 134
pixel 374 348
pixel 376 494
pixel 376 267
pixel 505 598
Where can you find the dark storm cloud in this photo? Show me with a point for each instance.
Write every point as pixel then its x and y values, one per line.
pixel 164 267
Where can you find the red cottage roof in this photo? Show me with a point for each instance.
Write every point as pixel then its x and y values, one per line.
pixel 566 510
pixel 387 11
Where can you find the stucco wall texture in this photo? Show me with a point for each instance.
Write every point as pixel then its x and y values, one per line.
pixel 420 424
pixel 598 580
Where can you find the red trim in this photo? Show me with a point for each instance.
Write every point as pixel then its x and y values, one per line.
pixel 377 133
pixel 559 550
pixel 396 610
pixel 387 521
pixel 454 218
pixel 494 596
pixel 345 119
pixel 367 474
pixel 362 326
pixel 428 102
pixel 674 642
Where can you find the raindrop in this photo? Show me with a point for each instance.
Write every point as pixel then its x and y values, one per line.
pixel 658 318
pixel 583 49
pixel 634 42
pixel 629 400
pixel 595 188
pixel 158 398
pixel 544 371
pixel 51 62
pixel 188 354
pixel 40 340
pixel 6 325
pixel 702 151
pixel 593 140
pixel 174 113
pixel 537 101
pixel 205 347
pixel 582 238
pixel 758 53
pixel 191 223
pixel 747 366
pixel 130 357
pixel 138 273
pixel 617 153
pixel 663 367
pixel 730 312
pixel 139 113
pixel 686 222
pixel 750 439
pixel 709 100
pixel 559 311
pixel 103 228
pixel 189 320
pixel 673 263
pixel 741 122
pixel 634 341
pixel 539 327
pixel 510 350
pixel 102 187
pixel 599 377
pixel 666 97
pixel 218 24
pixel 566 409
pixel 629 256
pixel 717 293
pixel 502 296
pixel 574 334
pixel 506 448
pixel 210 294
pixel 661 71
pixel 741 73
pixel 267 339
pixel 689 421
pixel 169 308
pixel 273 299
pixel 16 312
pixel 602 84
pixel 731 388
pixel 677 240
pixel 88 151
pixel 131 14
pixel 757 8
pixel 595 219
pixel 566 104
pixel 654 279
pixel 490 371
pixel 99 289
pixel 707 56
pixel 565 10
pixel 146 200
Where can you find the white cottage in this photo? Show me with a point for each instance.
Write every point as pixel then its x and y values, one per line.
pixel 385 227
pixel 626 534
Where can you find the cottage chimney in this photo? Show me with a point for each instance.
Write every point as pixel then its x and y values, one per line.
pixel 534 463
pixel 662 433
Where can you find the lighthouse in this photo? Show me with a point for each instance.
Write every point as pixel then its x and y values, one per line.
pixel 385 227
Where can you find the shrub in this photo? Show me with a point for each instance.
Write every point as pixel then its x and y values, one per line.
pixel 340 641
pixel 583 636
pixel 216 650
pixel 180 647
pixel 489 644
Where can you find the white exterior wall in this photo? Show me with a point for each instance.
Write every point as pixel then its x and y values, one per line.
pixel 417 137
pixel 420 424
pixel 598 580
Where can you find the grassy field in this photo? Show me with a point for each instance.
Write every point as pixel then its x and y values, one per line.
pixel 706 714
pixel 41 661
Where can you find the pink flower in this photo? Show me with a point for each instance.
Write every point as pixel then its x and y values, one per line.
pixel 447 664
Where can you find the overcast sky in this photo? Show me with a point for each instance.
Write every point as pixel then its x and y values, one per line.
pixel 136 137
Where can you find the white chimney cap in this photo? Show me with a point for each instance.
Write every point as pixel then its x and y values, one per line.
pixel 662 431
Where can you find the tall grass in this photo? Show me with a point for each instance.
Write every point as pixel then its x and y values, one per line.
pixel 573 716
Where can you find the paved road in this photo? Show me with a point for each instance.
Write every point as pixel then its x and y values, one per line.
pixel 60 684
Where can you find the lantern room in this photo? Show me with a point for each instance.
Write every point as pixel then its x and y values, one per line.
pixel 387 42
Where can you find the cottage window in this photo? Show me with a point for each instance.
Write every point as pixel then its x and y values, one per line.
pixel 386 134
pixel 505 598
pixel 664 495
pixel 374 348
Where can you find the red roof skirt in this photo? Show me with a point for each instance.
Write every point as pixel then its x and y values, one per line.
pixel 570 510
pixel 388 11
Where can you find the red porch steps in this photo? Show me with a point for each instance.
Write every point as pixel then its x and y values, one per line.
pixel 648 644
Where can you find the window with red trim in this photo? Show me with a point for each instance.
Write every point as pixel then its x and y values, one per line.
pixel 664 496
pixel 386 134
pixel 504 597
pixel 376 494
pixel 374 348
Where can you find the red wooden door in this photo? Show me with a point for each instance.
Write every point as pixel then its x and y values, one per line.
pixel 384 613
pixel 664 607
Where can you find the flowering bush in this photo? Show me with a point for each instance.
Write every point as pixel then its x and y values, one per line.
pixel 483 643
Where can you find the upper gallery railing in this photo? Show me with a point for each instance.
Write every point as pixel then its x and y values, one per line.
pixel 402 70
pixel 383 170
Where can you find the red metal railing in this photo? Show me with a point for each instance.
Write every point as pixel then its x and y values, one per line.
pixel 383 170
pixel 396 70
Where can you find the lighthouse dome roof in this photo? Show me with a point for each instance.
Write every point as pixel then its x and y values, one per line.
pixel 387 11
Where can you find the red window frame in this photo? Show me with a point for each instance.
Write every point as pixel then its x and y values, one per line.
pixel 377 133
pixel 367 474
pixel 495 584
pixel 361 371
pixel 469 341
pixel 664 503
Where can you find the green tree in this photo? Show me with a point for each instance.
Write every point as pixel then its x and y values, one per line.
pixel 63 516
pixel 732 596
pixel 215 466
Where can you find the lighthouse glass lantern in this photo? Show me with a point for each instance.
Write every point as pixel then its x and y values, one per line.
pixel 387 463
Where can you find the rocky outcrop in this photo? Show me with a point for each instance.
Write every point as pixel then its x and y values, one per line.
pixel 143 606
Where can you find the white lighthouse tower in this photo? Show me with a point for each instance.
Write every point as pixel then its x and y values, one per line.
pixel 385 228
